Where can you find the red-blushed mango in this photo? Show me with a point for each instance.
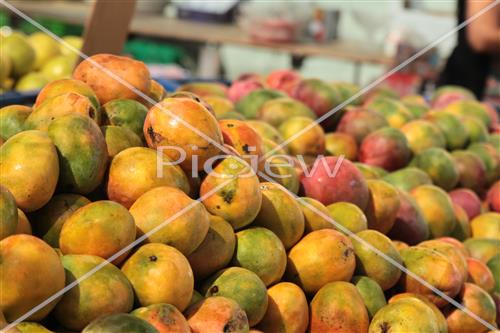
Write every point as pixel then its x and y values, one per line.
pixel 439 165
pixel 277 111
pixel 203 89
pixel 120 322
pixel 338 307
pixel 141 165
pixel 106 291
pixel 82 153
pixel 486 225
pixel 371 293
pixel 453 254
pixel 260 251
pixel 480 275
pixel 470 108
pixel 216 250
pixel 283 79
pixel 456 243
pixel 341 144
pixel 493 197
pixel 160 274
pixel 479 302
pixel 447 94
pixel 49 220
pixel 243 85
pixel 12 119
pixel 370 171
pixel 167 215
pixel 169 127
pixel 437 208
pixel 440 319
pixel 265 130
pixel 31 273
pixel 316 215
pixel 371 263
pixel 471 170
pixel 281 213
pixel 476 130
pixel 491 159
pixel 126 113
pixel 451 126
pixel 9 216
pixel 287 310
pixel 462 229
pixel 422 134
pixel 348 217
pixel 118 139
pixel 395 112
pixel 468 200
pixel 231 190
pixel 217 314
pixel 29 169
pixel 360 122
pixel 321 257
pixel 383 205
pixel 63 86
pixel 386 148
pixel 409 226
pixel 251 104
pixel 303 136
pixel 281 170
pixel 108 228
pixel 482 248
pixel 242 286
pixel 59 106
pixel 433 267
pixel 332 179
pixel 23 224
pixel 316 94
pixel 95 70
pixel 164 317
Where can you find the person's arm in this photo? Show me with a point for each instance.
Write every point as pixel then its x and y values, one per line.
pixel 483 34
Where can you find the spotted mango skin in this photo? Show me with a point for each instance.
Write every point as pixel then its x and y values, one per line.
pixel 232 192
pixel 63 86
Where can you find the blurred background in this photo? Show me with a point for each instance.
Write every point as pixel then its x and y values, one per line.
pixel 352 41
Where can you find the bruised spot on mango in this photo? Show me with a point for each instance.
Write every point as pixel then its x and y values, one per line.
pixel 155 137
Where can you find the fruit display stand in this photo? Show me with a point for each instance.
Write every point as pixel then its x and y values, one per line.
pixel 260 205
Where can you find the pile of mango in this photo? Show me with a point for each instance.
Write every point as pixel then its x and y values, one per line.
pixel 28 63
pixel 373 220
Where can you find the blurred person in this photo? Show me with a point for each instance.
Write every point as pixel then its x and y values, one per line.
pixel 477 50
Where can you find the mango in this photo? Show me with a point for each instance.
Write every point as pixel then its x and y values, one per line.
pixel 242 286
pixel 383 205
pixel 118 139
pixel 29 169
pixel 385 148
pixel 164 317
pixel 338 307
pixel 316 215
pixel 320 257
pixel 486 226
pixel 482 248
pixel 480 274
pixel 287 311
pixel 348 217
pixel 251 104
pixel 276 111
pixel 371 293
pixel 265 130
pixel 203 89
pixel 260 251
pixel 167 215
pixel 105 292
pixel 23 224
pixel 8 213
pixel 359 122
pixel 451 125
pixel 281 170
pixel 280 213
pixel 341 144
pixel 303 136
pixel 494 265
pixel 117 323
pixel 108 226
pixel 12 119
pixel 422 135
pixel 408 178
pixel 160 274
pixel 126 113
pixel 31 273
pixel 64 86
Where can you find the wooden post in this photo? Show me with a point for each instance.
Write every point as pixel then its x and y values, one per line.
pixel 107 27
